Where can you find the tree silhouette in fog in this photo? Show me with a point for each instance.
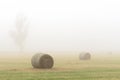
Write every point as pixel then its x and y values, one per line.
pixel 19 35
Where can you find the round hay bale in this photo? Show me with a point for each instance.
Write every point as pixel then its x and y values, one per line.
pixel 85 56
pixel 42 60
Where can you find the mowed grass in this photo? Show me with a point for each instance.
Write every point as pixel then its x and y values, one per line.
pixel 105 67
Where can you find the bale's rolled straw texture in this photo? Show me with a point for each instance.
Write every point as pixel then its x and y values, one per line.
pixel 42 60
pixel 85 56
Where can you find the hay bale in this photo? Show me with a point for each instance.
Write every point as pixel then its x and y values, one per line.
pixel 42 60
pixel 85 56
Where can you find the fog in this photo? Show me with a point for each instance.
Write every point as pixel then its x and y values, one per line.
pixel 65 25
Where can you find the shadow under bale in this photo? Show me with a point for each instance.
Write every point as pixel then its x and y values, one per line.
pixel 42 60
pixel 85 56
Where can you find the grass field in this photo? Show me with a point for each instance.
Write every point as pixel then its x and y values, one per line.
pixel 66 67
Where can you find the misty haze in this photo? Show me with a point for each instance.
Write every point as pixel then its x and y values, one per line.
pixel 65 28
pixel 66 39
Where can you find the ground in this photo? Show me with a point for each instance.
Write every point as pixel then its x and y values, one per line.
pixel 66 67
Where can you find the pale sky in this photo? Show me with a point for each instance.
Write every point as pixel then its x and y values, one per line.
pixel 63 25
